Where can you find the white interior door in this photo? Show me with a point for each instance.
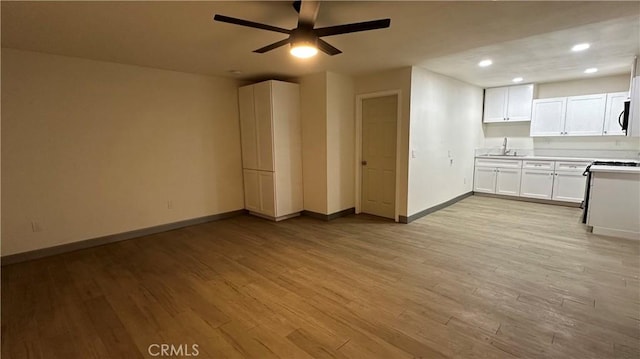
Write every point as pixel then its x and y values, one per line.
pixel 379 118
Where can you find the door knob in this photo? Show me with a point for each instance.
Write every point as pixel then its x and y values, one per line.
pixel 364 163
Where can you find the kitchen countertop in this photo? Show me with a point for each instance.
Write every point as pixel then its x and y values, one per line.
pixel 554 158
pixel 617 169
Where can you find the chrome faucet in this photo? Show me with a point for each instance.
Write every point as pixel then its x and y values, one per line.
pixel 504 147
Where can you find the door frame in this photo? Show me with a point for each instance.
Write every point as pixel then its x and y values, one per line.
pixel 358 165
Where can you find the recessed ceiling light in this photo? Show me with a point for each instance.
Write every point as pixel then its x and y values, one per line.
pixel 485 63
pixel 517 79
pixel 580 47
pixel 590 70
pixel 235 72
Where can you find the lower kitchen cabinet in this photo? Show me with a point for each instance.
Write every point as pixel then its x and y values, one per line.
pixel 540 179
pixel 497 176
pixel 508 181
pixel 485 180
pixel 536 184
pixel 569 186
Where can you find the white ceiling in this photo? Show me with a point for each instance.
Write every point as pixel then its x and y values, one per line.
pixel 529 39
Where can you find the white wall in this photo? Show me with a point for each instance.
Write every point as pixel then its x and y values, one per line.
pixel 400 80
pixel 518 133
pixel 445 129
pixel 328 141
pixel 340 143
pixel 94 148
pixel 313 110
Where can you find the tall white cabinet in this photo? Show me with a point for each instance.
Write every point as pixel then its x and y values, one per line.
pixel 271 148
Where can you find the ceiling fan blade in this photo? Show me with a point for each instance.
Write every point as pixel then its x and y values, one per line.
pixel 275 45
pixel 355 27
pixel 308 13
pixel 257 25
pixel 327 49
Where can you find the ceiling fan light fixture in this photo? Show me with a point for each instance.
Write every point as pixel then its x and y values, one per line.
pixel 303 50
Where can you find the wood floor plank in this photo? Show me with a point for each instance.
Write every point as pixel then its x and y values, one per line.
pixel 484 277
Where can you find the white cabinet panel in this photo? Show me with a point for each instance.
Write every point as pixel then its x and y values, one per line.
pixel 264 125
pixel 585 115
pixel 536 183
pixel 485 180
pixel 271 148
pixel 248 128
pixel 569 186
pixel 511 103
pixel 495 104
pixel 508 181
pixel 519 102
pixel 267 193
pixel 613 110
pixel 548 117
pixel 251 190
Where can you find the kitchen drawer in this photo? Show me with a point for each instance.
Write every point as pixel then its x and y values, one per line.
pixel 497 163
pixel 538 165
pixel 565 166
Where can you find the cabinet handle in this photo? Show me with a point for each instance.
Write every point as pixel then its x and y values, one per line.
pixel 507 118
pixel 605 132
pixel 504 119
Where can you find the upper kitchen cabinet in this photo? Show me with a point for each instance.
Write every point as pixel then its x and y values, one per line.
pixel 585 115
pixel 588 115
pixel 512 104
pixel 548 116
pixel 613 113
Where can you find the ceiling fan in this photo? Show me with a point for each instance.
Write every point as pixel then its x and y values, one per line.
pixel 306 40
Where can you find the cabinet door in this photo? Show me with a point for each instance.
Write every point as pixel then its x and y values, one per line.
pixel 495 104
pixel 519 102
pixel 248 128
pixel 251 190
pixel 508 181
pixel 485 180
pixel 569 186
pixel 267 193
pixel 585 115
pixel 264 125
pixel 548 117
pixel 536 184
pixel 613 110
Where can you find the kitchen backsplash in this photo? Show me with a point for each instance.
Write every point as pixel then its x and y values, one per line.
pixel 565 152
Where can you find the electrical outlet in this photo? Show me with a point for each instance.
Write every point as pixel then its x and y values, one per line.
pixel 169 204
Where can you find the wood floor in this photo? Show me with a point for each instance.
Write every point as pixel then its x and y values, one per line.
pixel 486 277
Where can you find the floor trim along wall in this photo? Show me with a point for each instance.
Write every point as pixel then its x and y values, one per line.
pixel 94 242
pixel 329 217
pixel 413 217
pixel 527 199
